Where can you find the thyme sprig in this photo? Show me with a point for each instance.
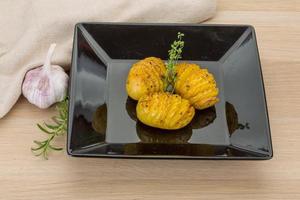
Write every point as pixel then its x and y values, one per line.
pixel 57 128
pixel 174 55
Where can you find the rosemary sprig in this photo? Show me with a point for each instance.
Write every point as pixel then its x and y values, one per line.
pixel 174 55
pixel 57 128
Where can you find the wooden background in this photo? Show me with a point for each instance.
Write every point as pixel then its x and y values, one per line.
pixel 277 23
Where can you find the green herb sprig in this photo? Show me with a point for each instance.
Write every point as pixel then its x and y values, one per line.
pixel 57 128
pixel 174 55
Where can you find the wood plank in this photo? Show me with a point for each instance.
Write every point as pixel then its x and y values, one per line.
pixel 259 5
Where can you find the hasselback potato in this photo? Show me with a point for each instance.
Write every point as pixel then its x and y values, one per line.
pixel 196 85
pixel 164 110
pixel 145 76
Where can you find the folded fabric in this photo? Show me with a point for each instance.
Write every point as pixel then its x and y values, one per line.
pixel 29 27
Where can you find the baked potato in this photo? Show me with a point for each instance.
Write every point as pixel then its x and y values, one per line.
pixel 164 110
pixel 196 85
pixel 145 76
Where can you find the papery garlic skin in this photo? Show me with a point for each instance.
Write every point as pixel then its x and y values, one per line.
pixel 45 85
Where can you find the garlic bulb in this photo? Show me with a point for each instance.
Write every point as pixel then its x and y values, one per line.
pixel 45 85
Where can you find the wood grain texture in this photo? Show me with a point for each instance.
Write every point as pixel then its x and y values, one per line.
pixel 277 24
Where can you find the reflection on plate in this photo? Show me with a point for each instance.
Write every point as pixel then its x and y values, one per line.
pixel 173 149
pixel 131 108
pixel 203 118
pixel 233 120
pixel 85 133
pixel 149 134
pixel 99 120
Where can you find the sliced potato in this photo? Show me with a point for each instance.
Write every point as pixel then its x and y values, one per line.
pixel 197 85
pixel 164 110
pixel 145 77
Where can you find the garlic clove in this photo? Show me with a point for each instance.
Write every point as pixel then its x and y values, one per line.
pixel 45 85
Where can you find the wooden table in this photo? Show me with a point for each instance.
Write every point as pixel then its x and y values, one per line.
pixel 277 23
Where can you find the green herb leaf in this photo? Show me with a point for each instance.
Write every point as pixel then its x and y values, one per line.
pixel 174 55
pixel 55 148
pixel 58 128
pixel 44 129
pixel 51 127
pixel 38 148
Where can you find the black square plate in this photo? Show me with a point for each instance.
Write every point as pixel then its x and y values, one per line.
pixel 102 120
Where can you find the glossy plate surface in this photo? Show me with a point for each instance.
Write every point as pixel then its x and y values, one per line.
pixel 102 119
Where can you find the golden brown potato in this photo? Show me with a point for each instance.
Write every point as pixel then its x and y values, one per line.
pixel 164 110
pixel 145 77
pixel 197 85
